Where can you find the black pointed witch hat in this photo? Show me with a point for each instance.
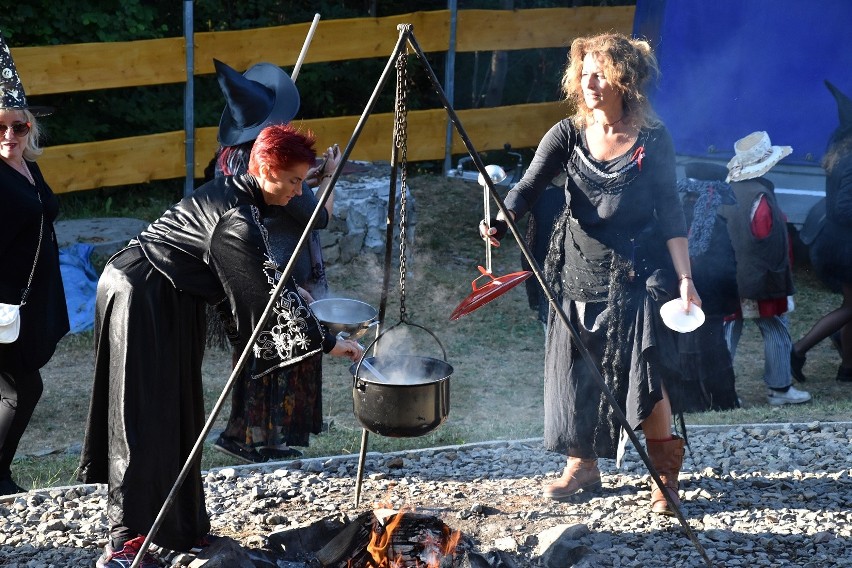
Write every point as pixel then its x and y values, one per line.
pixel 844 113
pixel 261 96
pixel 12 95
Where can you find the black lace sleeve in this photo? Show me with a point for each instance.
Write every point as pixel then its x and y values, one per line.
pixel 550 157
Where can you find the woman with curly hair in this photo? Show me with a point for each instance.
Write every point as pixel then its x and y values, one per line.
pixel 618 251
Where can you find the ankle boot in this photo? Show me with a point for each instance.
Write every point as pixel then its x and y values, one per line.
pixel 667 459
pixel 579 474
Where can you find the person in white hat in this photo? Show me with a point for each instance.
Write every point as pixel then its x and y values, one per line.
pixel 758 231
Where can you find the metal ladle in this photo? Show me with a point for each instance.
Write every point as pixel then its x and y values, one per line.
pixel 497 174
pixel 481 295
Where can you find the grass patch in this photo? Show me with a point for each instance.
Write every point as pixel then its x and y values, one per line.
pixel 48 471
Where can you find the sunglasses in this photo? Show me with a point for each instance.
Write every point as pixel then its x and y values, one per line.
pixel 18 129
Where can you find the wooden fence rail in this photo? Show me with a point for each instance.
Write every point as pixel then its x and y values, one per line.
pixel 138 159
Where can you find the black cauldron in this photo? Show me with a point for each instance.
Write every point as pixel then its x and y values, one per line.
pixel 401 396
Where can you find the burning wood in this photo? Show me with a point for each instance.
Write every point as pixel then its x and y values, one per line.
pixel 403 540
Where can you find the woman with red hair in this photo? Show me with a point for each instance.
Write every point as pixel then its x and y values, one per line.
pixel 147 407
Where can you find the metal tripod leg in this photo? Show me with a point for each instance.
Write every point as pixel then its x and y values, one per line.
pixel 364 435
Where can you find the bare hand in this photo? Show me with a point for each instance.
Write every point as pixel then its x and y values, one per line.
pixel 689 294
pixel 332 159
pixel 314 174
pixel 347 348
pixel 490 233
pixel 328 164
pixel 306 296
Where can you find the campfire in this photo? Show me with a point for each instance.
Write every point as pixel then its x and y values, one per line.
pixel 394 539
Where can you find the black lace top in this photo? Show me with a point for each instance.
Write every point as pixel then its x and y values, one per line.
pixel 627 205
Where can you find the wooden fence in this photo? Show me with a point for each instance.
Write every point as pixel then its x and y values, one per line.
pixel 139 159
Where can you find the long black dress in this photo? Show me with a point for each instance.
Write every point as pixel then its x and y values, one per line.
pixel 609 259
pixel 708 373
pixel 147 406
pixel 44 319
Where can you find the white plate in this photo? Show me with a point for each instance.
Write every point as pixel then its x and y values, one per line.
pixel 675 318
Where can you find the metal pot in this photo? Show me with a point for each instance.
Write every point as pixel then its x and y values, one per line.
pixel 402 396
pixel 345 315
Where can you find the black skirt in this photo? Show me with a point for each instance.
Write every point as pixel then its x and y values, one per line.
pixel 708 381
pixel 577 420
pixel 147 407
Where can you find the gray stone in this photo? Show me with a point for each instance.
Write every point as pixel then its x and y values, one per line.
pixel 744 515
pixel 106 235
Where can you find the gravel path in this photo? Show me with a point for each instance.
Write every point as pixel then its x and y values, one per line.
pixel 757 495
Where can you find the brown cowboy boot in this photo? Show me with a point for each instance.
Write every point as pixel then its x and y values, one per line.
pixel 667 458
pixel 579 474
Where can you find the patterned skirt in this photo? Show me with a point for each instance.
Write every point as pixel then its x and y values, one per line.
pixel 281 407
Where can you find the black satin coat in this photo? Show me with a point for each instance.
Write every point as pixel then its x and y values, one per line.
pixel 44 318
pixel 147 408
pixel 197 245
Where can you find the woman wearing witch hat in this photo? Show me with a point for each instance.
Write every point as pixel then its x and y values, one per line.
pixel 281 410
pixel 831 251
pixel 29 256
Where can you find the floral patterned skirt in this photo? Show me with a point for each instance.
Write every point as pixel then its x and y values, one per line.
pixel 281 407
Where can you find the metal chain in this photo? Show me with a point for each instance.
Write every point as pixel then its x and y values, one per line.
pixel 401 142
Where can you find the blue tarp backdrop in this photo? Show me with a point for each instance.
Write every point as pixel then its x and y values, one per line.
pixel 81 283
pixel 732 67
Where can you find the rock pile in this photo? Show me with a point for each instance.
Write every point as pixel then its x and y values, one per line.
pixel 360 212
pixel 756 496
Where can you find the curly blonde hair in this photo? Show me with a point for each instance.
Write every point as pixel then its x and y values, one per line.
pixel 628 64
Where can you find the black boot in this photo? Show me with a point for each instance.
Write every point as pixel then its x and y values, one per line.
pixel 797 363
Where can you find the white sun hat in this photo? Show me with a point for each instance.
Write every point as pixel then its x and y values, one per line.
pixel 754 155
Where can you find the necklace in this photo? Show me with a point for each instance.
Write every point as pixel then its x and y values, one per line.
pixel 26 171
pixel 613 123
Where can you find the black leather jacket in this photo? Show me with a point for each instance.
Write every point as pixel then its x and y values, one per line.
pixel 178 243
pixel 213 244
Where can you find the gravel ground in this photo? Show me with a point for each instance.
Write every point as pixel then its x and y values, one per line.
pixel 757 495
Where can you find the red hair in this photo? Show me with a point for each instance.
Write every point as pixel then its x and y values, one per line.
pixel 281 146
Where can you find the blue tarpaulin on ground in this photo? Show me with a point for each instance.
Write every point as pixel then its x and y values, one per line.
pixel 80 280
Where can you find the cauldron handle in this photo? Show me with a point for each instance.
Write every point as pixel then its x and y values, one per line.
pixel 379 336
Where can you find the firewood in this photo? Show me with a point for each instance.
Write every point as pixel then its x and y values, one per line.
pixel 352 540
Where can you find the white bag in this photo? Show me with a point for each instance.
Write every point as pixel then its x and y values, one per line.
pixel 10 314
pixel 10 322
